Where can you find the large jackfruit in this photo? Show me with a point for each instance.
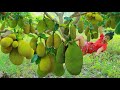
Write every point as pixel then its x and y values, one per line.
pixel 13 23
pixel 50 42
pixel 15 44
pixel 72 31
pixel 60 56
pixel 2 26
pixel 24 49
pixel 57 41
pixel 58 69
pixel 117 29
pixel 49 23
pixel 41 73
pixel 6 50
pixel 15 57
pixel 45 64
pixel 6 42
pixel 13 36
pixel 40 50
pixel 52 59
pixel 73 59
pixel 32 29
pixel 33 43
pixel 80 26
pixel 26 28
pixel 41 26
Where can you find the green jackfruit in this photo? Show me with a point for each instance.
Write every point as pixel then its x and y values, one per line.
pixel 113 23
pixel 49 23
pixel 6 50
pixel 58 69
pixel 13 23
pixel 87 30
pixel 73 59
pixel 98 17
pixel 50 41
pixel 41 26
pixel 20 23
pixel 32 29
pixel 40 50
pixel 60 56
pixel 15 57
pixel 41 73
pixel 57 41
pixel 117 29
pixel 72 31
pixel 15 44
pixel 88 36
pixel 6 42
pixel 2 26
pixel 80 26
pixel 108 23
pixel 26 28
pixel 24 49
pixel 52 59
pixel 13 36
pixel 33 43
pixel 45 64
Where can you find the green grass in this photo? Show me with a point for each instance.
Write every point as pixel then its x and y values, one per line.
pixel 106 65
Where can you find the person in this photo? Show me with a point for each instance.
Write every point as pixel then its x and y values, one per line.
pixel 99 46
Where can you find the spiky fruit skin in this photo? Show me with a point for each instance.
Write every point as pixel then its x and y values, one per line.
pixel 50 41
pixel 33 43
pixel 6 50
pixel 13 36
pixel 73 59
pixel 72 32
pixel 6 42
pixel 24 49
pixel 15 57
pixel 58 69
pixel 15 44
pixel 13 23
pixel 60 55
pixel 26 28
pixel 40 49
pixel 57 41
pixel 45 64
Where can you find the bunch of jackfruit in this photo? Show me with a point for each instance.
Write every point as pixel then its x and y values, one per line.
pixel 94 17
pixel 17 49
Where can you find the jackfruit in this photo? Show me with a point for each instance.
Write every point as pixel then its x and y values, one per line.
pixel 113 23
pixel 89 14
pixel 45 64
pixel 72 31
pixel 24 49
pixel 6 42
pixel 6 50
pixel 80 26
pixel 32 29
pixel 26 28
pixel 58 69
pixel 15 57
pixel 13 23
pixel 15 44
pixel 33 43
pixel 41 73
pixel 49 23
pixel 88 36
pixel 87 30
pixel 20 23
pixel 98 17
pixel 13 36
pixel 60 55
pixel 2 26
pixel 41 26
pixel 31 53
pixel 117 29
pixel 52 59
pixel 40 50
pixel 73 59
pixel 108 23
pixel 57 41
pixel 50 42
pixel 95 35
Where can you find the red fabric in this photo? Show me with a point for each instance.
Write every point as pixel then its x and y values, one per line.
pixel 91 47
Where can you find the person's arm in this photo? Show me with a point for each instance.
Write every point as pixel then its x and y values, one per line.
pixel 99 51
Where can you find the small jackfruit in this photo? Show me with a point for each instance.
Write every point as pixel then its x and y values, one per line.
pixel 73 59
pixel 32 29
pixel 41 73
pixel 13 36
pixel 15 57
pixel 88 36
pixel 6 42
pixel 113 23
pixel 80 26
pixel 52 59
pixel 33 43
pixel 98 17
pixel 40 50
pixel 13 23
pixel 45 64
pixel 57 41
pixel 15 44
pixel 41 26
pixel 87 30
pixel 20 23
pixel 72 31
pixel 6 50
pixel 50 42
pixel 26 28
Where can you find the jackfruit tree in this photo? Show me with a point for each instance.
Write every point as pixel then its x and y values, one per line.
pixel 52 46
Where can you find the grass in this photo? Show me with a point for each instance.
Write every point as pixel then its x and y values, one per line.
pixel 106 65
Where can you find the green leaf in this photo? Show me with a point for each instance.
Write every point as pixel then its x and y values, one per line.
pixel 38 60
pixel 67 18
pixel 43 36
pixel 56 27
pixel 35 57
